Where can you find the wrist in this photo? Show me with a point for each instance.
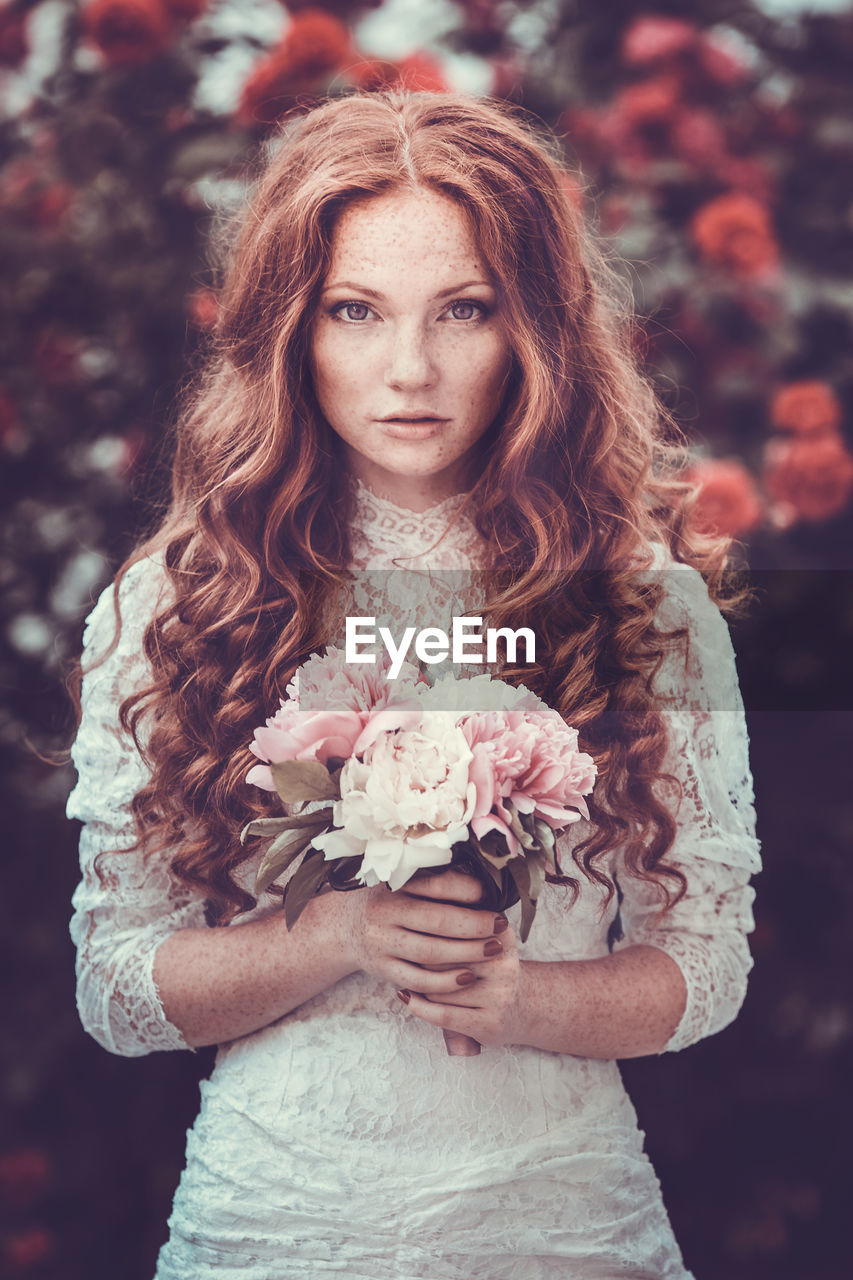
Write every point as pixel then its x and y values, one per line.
pixel 527 1023
pixel 319 938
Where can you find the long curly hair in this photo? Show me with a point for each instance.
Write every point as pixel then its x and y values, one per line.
pixel 579 477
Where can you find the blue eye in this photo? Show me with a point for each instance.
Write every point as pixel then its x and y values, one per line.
pixel 472 310
pixel 352 312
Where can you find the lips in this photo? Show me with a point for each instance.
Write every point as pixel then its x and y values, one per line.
pixel 412 417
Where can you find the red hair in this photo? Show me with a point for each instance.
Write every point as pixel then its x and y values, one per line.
pixel 579 478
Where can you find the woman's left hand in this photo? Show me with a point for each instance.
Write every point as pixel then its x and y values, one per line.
pixel 487 1008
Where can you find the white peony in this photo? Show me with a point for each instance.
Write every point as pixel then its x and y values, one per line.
pixel 406 804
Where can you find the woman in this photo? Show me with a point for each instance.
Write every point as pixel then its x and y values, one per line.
pixel 419 375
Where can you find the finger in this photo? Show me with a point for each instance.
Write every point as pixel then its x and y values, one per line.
pixel 451 886
pixel 441 985
pixel 448 921
pixel 442 1015
pixel 434 952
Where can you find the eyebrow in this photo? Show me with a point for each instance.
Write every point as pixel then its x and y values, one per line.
pixel 372 293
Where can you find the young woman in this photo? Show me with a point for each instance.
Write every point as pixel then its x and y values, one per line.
pixel 420 373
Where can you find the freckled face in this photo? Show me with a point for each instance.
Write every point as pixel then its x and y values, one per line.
pixel 409 355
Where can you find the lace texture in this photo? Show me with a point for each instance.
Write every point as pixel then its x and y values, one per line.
pixel 342 1139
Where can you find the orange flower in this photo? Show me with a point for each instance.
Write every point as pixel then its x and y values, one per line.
pixel 651 37
pixel 127 31
pixel 809 476
pixel 807 408
pixel 727 500
pixel 735 231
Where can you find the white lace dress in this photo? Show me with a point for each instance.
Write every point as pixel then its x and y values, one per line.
pixel 342 1139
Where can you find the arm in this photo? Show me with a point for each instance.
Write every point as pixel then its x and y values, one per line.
pixel 117 925
pixel 675 977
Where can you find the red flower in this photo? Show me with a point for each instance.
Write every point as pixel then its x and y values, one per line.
pixel 25 1173
pixel 652 37
pixel 14 45
pixel 696 135
pixel 27 1249
pixel 727 500
pixel 720 62
pixel 810 477
pixel 649 101
pixel 127 31
pixel 807 408
pixel 269 91
pixel 203 308
pixel 352 7
pixel 372 74
pixel 314 45
pixel 419 73
pixel 56 356
pixel 735 231
pixel 316 42
pixel 185 10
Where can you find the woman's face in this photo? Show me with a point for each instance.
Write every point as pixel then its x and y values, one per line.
pixel 408 352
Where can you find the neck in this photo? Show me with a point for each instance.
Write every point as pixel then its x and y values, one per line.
pixel 411 493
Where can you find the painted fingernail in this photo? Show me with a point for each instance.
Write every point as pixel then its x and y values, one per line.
pixel 492 947
pixel 405 996
pixel 465 978
pixel 501 923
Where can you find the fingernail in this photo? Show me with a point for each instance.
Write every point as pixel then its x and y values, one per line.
pixel 405 996
pixel 466 978
pixel 492 947
pixel 501 923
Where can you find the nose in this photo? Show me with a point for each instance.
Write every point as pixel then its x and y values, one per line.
pixel 410 364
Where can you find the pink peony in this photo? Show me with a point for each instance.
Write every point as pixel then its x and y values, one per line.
pixel 334 709
pixel 527 756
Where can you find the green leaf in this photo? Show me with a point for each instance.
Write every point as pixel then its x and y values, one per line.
pixel 264 827
pixel 284 850
pixel 519 869
pixel 302 780
pixel 304 885
pixel 536 871
pixel 547 842
pixel 494 871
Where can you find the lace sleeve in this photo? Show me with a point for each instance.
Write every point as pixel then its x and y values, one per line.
pixel 716 846
pixel 117 925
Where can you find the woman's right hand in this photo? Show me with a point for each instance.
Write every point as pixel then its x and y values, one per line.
pixel 417 943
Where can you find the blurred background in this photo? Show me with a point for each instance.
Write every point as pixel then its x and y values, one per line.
pixel 712 145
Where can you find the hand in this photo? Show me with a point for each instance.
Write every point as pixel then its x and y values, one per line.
pixel 484 1009
pixel 417 943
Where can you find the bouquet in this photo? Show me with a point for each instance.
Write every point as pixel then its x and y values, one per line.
pixel 411 776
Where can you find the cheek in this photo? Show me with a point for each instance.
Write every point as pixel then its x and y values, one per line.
pixel 486 376
pixel 333 370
